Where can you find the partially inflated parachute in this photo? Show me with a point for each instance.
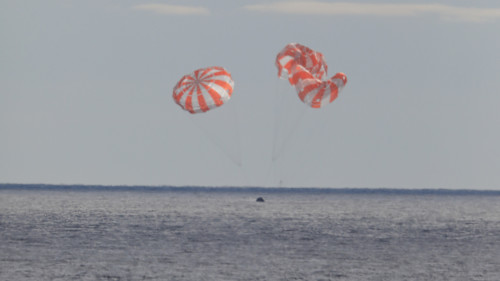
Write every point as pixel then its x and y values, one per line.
pixel 306 70
pixel 204 89
pixel 295 54
pixel 298 128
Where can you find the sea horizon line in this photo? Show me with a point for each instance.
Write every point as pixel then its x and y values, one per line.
pixel 261 189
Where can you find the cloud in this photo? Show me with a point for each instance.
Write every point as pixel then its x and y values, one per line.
pixel 166 9
pixel 383 10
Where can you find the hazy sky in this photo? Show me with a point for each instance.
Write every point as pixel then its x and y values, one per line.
pixel 86 93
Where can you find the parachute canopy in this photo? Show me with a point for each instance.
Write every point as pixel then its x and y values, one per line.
pixel 204 89
pixel 306 69
pixel 295 54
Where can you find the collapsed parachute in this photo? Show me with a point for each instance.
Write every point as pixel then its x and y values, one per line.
pixel 204 89
pixel 306 70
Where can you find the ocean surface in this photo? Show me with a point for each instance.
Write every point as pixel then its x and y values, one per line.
pixel 163 233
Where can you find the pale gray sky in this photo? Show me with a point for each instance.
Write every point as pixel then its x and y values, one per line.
pixel 86 93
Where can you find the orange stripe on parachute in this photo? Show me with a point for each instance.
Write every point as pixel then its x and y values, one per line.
pixel 188 105
pixel 307 70
pixel 307 90
pixel 201 100
pixel 300 74
pixel 220 72
pixel 199 82
pixel 316 101
pixel 216 97
pixel 334 92
pixel 180 94
pixel 226 86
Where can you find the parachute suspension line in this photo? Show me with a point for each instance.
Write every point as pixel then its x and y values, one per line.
pixel 203 93
pixel 306 71
pixel 234 111
pixel 288 112
pixel 279 96
pixel 221 129
pixel 307 149
pixel 295 163
pixel 279 89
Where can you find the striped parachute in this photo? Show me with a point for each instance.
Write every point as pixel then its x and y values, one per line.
pixel 306 70
pixel 204 89
pixel 295 54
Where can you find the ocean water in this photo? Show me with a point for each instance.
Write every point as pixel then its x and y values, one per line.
pixel 133 233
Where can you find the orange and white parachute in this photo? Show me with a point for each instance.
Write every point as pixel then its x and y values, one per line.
pixel 204 89
pixel 295 54
pixel 306 69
